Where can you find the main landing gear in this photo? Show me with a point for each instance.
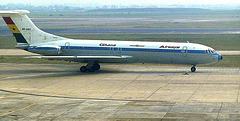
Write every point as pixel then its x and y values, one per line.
pixel 193 69
pixel 90 67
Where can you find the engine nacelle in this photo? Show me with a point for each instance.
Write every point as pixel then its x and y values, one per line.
pixel 45 49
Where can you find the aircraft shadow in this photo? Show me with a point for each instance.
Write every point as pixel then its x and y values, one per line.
pixel 35 74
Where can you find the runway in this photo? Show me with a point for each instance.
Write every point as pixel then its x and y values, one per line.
pixel 61 92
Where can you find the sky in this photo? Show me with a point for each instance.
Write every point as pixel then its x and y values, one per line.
pixel 119 2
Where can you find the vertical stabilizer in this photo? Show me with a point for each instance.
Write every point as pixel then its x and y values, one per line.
pixel 24 29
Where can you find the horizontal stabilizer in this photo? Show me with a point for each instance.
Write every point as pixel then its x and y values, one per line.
pixel 13 12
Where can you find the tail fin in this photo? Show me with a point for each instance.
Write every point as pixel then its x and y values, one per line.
pixel 24 29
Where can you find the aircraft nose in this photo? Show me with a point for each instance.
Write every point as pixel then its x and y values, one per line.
pixel 219 57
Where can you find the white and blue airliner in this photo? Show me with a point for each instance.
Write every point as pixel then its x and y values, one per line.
pixel 93 52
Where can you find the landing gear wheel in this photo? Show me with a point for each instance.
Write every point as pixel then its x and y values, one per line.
pixel 83 69
pixel 96 66
pixel 91 69
pixel 193 69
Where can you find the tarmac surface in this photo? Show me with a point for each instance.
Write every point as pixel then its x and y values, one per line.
pixel 118 92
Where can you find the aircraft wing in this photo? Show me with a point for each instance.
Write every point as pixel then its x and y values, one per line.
pixel 84 58
pixel 80 57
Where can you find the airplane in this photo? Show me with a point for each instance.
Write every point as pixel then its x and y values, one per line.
pixel 53 47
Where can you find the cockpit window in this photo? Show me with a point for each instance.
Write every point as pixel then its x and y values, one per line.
pixel 210 51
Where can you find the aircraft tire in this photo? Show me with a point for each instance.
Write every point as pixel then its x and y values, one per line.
pixel 83 69
pixel 193 69
pixel 96 66
pixel 91 70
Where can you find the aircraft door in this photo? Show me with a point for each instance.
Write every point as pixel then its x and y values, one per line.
pixel 67 44
pixel 184 51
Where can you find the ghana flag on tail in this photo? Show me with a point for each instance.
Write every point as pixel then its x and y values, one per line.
pixel 17 34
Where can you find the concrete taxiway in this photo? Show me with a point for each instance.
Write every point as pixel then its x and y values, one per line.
pixel 143 92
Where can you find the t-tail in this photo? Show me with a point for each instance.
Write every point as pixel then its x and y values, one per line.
pixel 24 30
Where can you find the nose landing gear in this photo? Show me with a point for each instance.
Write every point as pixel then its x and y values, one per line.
pixel 193 69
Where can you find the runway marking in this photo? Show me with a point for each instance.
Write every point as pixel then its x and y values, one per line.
pixel 11 95
pixel 4 114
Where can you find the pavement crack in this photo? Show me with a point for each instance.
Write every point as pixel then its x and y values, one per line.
pixel 238 93
pixel 28 106
pixel 69 110
pixel 168 111
pixel 158 89
pixel 219 111
pixel 198 88
pixel 120 108
pixel 126 85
